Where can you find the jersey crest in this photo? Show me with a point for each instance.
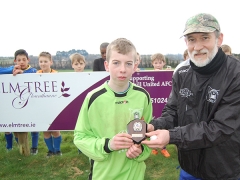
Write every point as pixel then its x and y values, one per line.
pixel 185 92
pixel 135 113
pixel 212 95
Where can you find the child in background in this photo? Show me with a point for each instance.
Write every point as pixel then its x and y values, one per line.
pixel 185 55
pixel 138 61
pixel 226 49
pixel 98 64
pixel 52 139
pixel 8 70
pixel 21 59
pixel 8 135
pixel 78 64
pixel 101 129
pixel 158 61
pixel 185 62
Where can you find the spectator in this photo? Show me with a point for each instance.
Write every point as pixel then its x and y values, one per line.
pixel 98 64
pixel 138 61
pixel 52 139
pixel 185 55
pixel 226 49
pixel 185 61
pixel 22 60
pixel 158 61
pixel 78 62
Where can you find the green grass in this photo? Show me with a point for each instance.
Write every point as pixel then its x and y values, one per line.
pixel 71 165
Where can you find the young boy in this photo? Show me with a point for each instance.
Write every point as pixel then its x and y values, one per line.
pixel 138 61
pixel 101 129
pixel 226 49
pixel 6 70
pixel 52 139
pixel 21 59
pixel 185 55
pixel 98 64
pixel 78 62
pixel 158 61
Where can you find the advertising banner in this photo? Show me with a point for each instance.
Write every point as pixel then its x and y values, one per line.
pixel 43 102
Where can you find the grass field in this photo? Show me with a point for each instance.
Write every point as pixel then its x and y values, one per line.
pixel 71 165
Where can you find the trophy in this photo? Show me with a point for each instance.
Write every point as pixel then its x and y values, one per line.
pixel 137 129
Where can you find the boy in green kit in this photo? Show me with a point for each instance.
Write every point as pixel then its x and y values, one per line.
pixel 101 129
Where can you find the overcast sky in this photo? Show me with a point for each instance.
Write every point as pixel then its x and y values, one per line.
pixel 152 25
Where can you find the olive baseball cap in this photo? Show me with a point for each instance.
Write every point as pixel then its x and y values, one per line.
pixel 201 23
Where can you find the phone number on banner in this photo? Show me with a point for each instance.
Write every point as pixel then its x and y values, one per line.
pixel 159 100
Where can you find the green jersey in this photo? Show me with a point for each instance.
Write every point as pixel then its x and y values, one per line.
pixel 104 114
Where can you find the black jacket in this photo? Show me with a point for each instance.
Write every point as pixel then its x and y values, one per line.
pixel 203 117
pixel 98 65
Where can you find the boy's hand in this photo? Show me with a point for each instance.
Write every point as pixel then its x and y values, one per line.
pixel 17 70
pixel 121 141
pixel 134 151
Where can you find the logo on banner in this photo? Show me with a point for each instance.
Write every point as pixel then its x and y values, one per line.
pixel 64 90
pixel 30 90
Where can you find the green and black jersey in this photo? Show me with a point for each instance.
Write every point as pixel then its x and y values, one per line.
pixel 103 115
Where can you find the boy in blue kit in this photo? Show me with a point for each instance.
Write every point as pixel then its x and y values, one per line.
pixel 6 70
pixel 78 64
pixel 21 59
pixel 101 129
pixel 11 70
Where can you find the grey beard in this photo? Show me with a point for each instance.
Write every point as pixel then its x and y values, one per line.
pixel 208 60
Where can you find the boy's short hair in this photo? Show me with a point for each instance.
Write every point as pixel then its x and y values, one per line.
pixel 122 46
pixel 20 52
pixel 104 45
pixel 226 48
pixel 45 54
pixel 158 56
pixel 77 57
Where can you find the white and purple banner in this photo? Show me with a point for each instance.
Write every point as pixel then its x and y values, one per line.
pixel 43 102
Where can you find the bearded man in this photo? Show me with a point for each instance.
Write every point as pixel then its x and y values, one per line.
pixel 202 115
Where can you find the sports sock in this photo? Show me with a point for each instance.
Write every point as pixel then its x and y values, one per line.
pixel 49 143
pixel 57 142
pixel 9 138
pixel 35 136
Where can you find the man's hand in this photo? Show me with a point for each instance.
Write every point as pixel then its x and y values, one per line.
pixel 121 141
pixel 150 128
pixel 17 70
pixel 134 151
pixel 162 140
